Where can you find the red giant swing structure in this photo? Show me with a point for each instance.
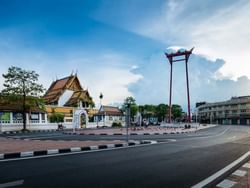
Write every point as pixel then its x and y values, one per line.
pixel 175 57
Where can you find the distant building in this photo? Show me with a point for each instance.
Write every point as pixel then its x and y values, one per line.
pixel 235 111
pixel 11 117
pixel 107 115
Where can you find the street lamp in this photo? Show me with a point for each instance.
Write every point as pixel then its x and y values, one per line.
pixel 127 107
pixel 101 97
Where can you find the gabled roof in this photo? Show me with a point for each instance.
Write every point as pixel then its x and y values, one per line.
pixel 79 95
pixel 110 110
pixel 58 87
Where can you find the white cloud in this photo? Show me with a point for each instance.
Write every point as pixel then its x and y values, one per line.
pixel 223 33
pixel 108 73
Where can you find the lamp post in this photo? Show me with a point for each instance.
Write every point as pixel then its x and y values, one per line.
pixel 127 105
pixel 172 58
pixel 100 97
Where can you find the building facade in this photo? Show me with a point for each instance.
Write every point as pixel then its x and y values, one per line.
pixel 235 111
pixel 108 115
pixel 11 117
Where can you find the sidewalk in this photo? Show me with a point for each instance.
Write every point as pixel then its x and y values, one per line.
pixel 8 145
pixel 238 179
pixel 14 148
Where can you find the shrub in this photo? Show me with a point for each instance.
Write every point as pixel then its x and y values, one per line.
pixel 56 118
pixel 116 124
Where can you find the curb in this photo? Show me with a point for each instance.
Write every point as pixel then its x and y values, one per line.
pixel 217 177
pixel 30 131
pixel 132 134
pixel 71 150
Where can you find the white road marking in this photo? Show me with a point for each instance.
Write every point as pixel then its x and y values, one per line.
pixel 41 137
pixel 202 137
pixel 111 137
pixel 247 165
pixel 12 184
pixel 172 140
pixel 240 173
pixel 231 138
pixel 221 172
pixel 226 184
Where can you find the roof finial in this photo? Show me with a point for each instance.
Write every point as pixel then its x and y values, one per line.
pixel 76 72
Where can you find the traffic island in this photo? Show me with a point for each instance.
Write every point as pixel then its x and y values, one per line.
pixel 13 149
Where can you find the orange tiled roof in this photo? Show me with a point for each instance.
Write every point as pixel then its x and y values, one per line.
pixel 110 110
pixel 58 87
pixel 82 95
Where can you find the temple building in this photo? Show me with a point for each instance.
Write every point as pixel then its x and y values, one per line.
pixel 68 92
pixel 65 96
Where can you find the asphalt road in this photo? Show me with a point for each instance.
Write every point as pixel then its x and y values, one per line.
pixel 181 163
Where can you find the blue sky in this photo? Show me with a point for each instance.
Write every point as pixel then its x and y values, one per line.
pixel 117 46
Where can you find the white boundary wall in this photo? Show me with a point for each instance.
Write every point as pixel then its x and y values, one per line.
pixel 19 126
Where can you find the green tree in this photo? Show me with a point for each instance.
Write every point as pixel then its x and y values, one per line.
pixel 133 106
pixel 149 110
pixel 161 111
pixel 176 111
pixel 23 83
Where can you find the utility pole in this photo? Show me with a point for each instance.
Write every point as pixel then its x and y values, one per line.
pixel 127 120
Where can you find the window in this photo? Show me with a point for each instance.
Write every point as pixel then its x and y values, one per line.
pixel 43 116
pixel 17 116
pixel 110 118
pixel 34 116
pixel 234 111
pixel 234 106
pixel 68 120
